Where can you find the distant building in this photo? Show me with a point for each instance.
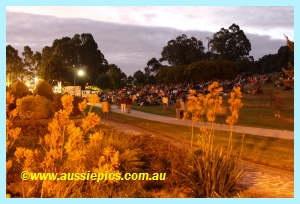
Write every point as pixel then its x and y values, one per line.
pixel 72 89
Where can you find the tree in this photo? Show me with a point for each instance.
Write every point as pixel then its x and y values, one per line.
pixel 289 82
pixel 14 65
pixel 231 44
pixel 46 69
pixel 81 51
pixel 153 65
pixel 284 56
pixel 275 62
pixel 91 57
pixel 28 58
pixel 116 75
pixel 30 61
pixel 183 51
pixel 139 77
pixel 129 81
pixel 104 82
pixel 150 79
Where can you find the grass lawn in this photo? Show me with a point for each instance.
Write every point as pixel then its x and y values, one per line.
pixel 272 152
pixel 258 110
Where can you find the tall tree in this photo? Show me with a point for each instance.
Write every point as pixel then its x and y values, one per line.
pixel 104 81
pixel 129 81
pixel 183 51
pixel 29 62
pixel 66 55
pixel 150 79
pixel 139 78
pixel 118 77
pixel 91 57
pixel 14 65
pixel 231 44
pixel 153 65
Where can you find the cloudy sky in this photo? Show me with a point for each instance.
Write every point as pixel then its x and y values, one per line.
pixel 130 36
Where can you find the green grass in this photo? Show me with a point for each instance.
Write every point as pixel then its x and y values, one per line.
pixel 274 152
pixel 258 110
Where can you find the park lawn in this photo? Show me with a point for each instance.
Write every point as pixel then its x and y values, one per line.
pixel 257 111
pixel 273 152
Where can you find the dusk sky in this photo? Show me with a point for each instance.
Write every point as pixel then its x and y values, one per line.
pixel 130 36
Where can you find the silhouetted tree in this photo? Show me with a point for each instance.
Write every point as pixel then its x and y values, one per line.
pixel 182 51
pixel 14 65
pixel 231 44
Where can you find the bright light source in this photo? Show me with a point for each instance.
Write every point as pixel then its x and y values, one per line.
pixel 80 72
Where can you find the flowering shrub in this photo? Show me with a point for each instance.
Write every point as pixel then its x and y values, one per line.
pixel 34 107
pixel 12 134
pixel 213 171
pixel 76 147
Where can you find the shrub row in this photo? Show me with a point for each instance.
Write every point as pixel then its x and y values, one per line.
pixel 40 104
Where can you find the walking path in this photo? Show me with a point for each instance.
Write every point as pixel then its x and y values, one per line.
pixel 284 134
pixel 257 179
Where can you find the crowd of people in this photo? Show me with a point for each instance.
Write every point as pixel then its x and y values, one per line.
pixel 166 95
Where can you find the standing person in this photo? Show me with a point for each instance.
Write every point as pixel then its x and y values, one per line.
pixel 177 108
pixel 128 103
pixel 123 104
pixel 182 108
pixel 165 101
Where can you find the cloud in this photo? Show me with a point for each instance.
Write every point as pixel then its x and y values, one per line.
pixel 128 46
pixel 254 19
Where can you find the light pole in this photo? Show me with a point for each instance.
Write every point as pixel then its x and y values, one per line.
pixel 79 73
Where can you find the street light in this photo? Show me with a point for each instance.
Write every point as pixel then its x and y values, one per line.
pixel 79 73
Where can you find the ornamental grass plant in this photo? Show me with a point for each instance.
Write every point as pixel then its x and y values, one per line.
pixel 213 170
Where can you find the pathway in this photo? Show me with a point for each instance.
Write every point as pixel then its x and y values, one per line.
pixel 284 134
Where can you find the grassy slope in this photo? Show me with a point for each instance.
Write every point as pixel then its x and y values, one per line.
pixel 258 110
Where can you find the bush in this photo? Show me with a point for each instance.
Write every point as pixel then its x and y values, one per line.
pixel 34 107
pixel 19 90
pixel 43 88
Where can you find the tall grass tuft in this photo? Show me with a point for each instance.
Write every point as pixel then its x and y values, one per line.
pixel 213 171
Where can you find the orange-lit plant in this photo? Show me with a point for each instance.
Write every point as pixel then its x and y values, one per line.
pixel 66 147
pixel 213 171
pixel 235 105
pixel 290 70
pixel 200 106
pixel 12 134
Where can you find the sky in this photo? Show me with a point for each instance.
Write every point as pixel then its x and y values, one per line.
pixel 129 36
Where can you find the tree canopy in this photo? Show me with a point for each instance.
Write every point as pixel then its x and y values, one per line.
pixel 153 64
pixel 182 51
pixel 14 64
pixel 60 61
pixel 227 55
pixel 231 44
